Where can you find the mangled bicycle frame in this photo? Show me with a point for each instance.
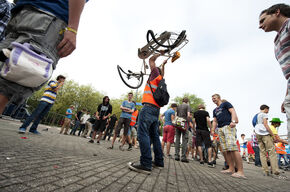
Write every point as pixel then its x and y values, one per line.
pixel 169 43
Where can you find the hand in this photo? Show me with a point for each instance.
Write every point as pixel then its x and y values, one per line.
pixel 211 133
pixel 164 62
pixel 283 108
pixel 162 52
pixel 104 117
pixel 67 45
pixel 98 117
pixel 232 125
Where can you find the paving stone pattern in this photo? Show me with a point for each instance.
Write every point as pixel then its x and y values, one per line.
pixel 54 162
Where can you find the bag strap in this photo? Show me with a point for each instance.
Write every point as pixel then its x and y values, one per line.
pixel 150 83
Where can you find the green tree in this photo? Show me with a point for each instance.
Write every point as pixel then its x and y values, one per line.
pixel 194 101
pixel 84 96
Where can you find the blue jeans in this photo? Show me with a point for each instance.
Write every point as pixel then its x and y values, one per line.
pixel 77 124
pixel 280 156
pixel 257 155
pixel 148 133
pixel 37 115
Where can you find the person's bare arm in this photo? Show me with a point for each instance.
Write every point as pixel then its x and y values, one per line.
pixel 152 61
pixel 125 109
pixel 172 117
pixel 68 43
pixel 59 86
pixel 163 68
pixel 265 123
pixel 193 125
pixel 214 125
pixel 234 117
pixel 208 122
pixel 97 115
pixel 282 106
pixel 106 117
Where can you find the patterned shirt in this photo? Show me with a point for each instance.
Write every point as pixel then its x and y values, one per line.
pixel 282 49
pixel 49 94
pixel 5 8
pixel 254 140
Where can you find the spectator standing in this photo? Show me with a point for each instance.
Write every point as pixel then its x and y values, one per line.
pixel 243 147
pixel 46 102
pixel 202 124
pixel 78 117
pixel 183 111
pixel 50 27
pixel 84 119
pixel 111 125
pixel 127 108
pixel 277 18
pixel 265 139
pixel 168 129
pixel 67 120
pixel 225 118
pixel 255 146
pixel 102 115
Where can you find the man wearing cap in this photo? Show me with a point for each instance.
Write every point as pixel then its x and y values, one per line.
pixel 279 143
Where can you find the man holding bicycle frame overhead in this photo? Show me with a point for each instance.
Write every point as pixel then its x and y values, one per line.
pixel 148 123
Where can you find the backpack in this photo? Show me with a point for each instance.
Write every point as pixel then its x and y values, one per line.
pixel 255 120
pixel 161 96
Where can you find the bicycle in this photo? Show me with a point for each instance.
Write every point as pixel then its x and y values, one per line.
pixel 168 43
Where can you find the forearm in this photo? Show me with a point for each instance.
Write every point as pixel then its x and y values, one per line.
pixel 152 61
pixel 75 11
pixel 214 125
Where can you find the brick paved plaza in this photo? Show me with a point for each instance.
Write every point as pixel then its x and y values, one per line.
pixel 54 162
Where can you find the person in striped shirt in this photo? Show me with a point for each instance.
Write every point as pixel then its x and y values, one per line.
pixel 44 105
pixel 277 18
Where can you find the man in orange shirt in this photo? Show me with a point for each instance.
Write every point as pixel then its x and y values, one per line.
pixel 148 123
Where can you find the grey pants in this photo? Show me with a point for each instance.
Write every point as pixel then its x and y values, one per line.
pixel 287 109
pixel 178 134
pixel 41 30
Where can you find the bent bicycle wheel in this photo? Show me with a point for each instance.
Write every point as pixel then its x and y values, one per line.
pixel 130 79
pixel 170 41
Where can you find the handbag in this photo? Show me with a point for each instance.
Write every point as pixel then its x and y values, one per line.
pixel 179 123
pixel 25 66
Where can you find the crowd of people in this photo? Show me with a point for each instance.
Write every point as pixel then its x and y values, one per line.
pixel 201 137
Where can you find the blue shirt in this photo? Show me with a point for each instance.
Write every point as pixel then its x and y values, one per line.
pixel 58 8
pixel 69 111
pixel 287 147
pixel 222 114
pixel 167 114
pixel 5 8
pixel 130 105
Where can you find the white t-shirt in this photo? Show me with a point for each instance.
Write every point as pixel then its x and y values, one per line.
pixel 84 118
pixel 260 129
pixel 243 143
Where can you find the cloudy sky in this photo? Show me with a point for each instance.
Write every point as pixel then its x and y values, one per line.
pixel 226 53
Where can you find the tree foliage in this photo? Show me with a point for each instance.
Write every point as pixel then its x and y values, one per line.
pixel 194 101
pixel 82 97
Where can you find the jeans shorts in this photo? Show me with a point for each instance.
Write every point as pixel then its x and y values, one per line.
pixel 41 30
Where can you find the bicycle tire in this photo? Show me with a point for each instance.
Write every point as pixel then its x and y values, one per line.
pixel 179 39
pixel 120 71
